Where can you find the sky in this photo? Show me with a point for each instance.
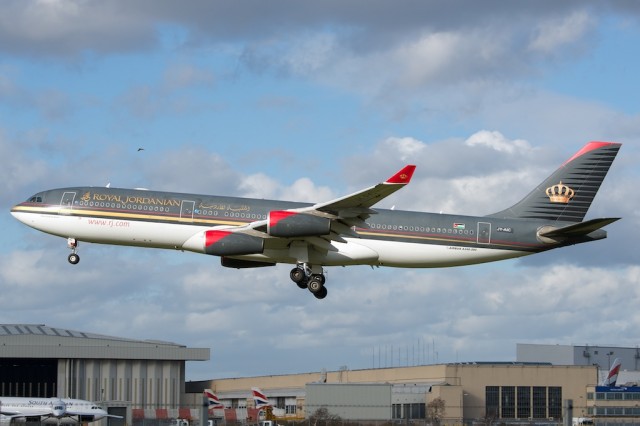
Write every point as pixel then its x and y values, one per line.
pixel 309 101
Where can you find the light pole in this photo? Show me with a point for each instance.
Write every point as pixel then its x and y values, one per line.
pixel 609 359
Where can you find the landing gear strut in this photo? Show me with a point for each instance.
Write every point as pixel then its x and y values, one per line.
pixel 73 258
pixel 303 276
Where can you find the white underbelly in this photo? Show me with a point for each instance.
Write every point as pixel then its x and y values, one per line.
pixel 415 255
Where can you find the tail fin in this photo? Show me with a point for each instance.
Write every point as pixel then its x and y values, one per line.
pixel 260 398
pixel 612 376
pixel 567 194
pixel 214 402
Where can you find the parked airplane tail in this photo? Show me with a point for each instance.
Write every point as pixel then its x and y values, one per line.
pixel 567 194
pixel 612 376
pixel 214 401
pixel 260 398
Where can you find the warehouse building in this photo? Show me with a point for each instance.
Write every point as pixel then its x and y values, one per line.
pixel 455 392
pixel 132 376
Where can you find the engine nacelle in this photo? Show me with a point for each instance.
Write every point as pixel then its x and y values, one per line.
pixel 226 243
pixel 288 224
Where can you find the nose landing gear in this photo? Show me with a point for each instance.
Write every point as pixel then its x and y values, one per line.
pixel 73 258
pixel 303 276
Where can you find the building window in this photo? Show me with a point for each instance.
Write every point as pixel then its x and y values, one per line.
pixel 524 402
pixel 508 399
pixel 396 410
pixel 492 401
pixel 539 402
pixel 409 411
pixel 418 411
pixel 555 402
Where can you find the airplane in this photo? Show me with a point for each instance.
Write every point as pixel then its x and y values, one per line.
pixel 213 402
pixel 612 376
pixel 250 233
pixel 63 410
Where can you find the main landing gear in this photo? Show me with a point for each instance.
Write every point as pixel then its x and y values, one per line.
pixel 73 258
pixel 305 278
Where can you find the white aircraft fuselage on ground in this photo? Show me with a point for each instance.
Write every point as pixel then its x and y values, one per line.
pixel 53 410
pixel 247 232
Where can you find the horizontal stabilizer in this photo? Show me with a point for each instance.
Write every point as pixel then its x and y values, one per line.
pixel 582 228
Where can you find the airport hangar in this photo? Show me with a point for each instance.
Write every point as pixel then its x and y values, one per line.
pixel 132 378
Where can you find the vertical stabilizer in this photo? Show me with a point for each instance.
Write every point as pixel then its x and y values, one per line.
pixel 212 400
pixel 567 194
pixel 612 376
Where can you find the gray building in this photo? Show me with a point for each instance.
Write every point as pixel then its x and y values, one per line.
pixel 41 361
pixel 602 356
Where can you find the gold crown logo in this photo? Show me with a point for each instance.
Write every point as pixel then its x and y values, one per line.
pixel 560 193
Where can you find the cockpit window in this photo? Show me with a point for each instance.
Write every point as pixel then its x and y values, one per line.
pixel 36 199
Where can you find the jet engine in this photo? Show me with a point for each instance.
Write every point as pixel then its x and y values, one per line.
pixel 226 243
pixel 287 224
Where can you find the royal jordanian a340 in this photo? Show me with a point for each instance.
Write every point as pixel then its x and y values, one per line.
pixel 249 233
pixel 57 410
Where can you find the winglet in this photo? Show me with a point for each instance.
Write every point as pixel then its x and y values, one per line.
pixel 403 176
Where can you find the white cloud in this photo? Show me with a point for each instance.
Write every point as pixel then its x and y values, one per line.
pixel 496 140
pixel 407 147
pixel 555 33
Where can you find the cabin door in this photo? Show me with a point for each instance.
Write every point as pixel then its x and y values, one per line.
pixel 66 204
pixel 186 210
pixel 484 233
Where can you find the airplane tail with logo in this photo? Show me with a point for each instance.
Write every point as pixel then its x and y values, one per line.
pixel 612 376
pixel 567 194
pixel 213 400
pixel 260 398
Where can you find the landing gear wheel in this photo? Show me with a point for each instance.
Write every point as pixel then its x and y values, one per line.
pixel 297 275
pixel 316 283
pixel 302 284
pixel 73 258
pixel 321 294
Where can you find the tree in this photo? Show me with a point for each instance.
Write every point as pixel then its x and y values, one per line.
pixel 323 416
pixel 435 410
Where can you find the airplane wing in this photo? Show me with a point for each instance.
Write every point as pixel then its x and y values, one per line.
pixel 344 212
pixel 318 224
pixel 71 413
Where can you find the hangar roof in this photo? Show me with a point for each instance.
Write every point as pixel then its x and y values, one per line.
pixel 41 341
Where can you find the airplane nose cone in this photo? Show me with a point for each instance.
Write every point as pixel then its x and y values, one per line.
pixel 15 212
